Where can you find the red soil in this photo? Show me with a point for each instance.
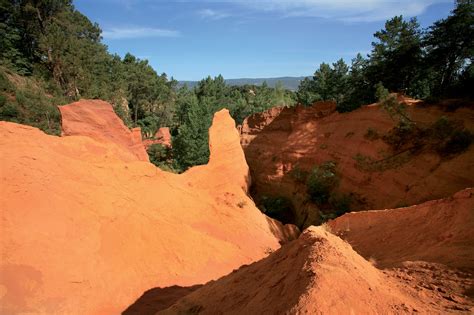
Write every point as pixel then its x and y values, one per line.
pixel 87 227
pixel 281 140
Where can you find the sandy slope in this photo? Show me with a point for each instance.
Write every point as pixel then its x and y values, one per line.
pixel 439 231
pixel 87 227
pixel 320 274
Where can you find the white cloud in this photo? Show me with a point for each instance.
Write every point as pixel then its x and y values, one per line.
pixel 138 32
pixel 212 14
pixel 345 10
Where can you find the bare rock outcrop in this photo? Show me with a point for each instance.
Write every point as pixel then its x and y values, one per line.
pixel 162 136
pixel 88 226
pixel 439 231
pixel 96 119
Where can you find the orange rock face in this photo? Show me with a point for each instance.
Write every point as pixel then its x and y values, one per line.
pixel 281 142
pixel 96 119
pixel 87 226
pixel 162 136
pixel 439 231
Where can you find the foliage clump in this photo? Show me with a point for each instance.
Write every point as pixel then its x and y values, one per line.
pixel 322 184
pixel 28 104
pixel 457 143
pixel 449 137
pixel 340 202
pixel 321 181
pixel 371 134
pixel 278 207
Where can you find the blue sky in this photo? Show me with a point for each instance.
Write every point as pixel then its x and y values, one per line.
pixel 248 38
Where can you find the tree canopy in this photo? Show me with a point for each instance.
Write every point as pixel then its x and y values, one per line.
pixel 436 62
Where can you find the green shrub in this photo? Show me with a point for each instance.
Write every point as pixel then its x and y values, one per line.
pixel 158 153
pixel 341 203
pixel 321 181
pixel 449 136
pixel 9 112
pixel 38 111
pixel 442 128
pixel 327 216
pixel 401 134
pixel 371 134
pixel 458 142
pixel 169 166
pixel 162 157
pixel 454 105
pixel 5 84
pixel 299 174
pixel 444 136
pixel 402 204
pixel 3 100
pixel 280 208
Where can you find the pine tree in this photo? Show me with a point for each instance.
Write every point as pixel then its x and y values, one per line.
pixel 450 47
pixel 396 55
pixel 191 145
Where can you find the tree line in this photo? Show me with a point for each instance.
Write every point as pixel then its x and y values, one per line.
pixel 60 52
pixel 436 62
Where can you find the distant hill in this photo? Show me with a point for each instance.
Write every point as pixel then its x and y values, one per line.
pixel 290 83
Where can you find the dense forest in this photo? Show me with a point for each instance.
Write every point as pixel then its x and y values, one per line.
pixel 51 54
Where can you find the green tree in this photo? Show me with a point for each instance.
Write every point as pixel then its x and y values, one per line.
pixel 450 48
pixel 339 80
pixel 396 56
pixel 323 81
pixel 321 181
pixel 191 145
pixel 11 54
pixel 306 94
pixel 358 89
pixel 397 110
pixel 328 83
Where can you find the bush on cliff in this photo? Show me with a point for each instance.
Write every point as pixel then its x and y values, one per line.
pixel 279 207
pixel 321 181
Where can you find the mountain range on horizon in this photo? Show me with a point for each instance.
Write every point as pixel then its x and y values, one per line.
pixel 290 83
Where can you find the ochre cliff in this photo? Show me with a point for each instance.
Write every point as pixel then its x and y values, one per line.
pixel 439 231
pixel 281 141
pixel 96 119
pixel 88 225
